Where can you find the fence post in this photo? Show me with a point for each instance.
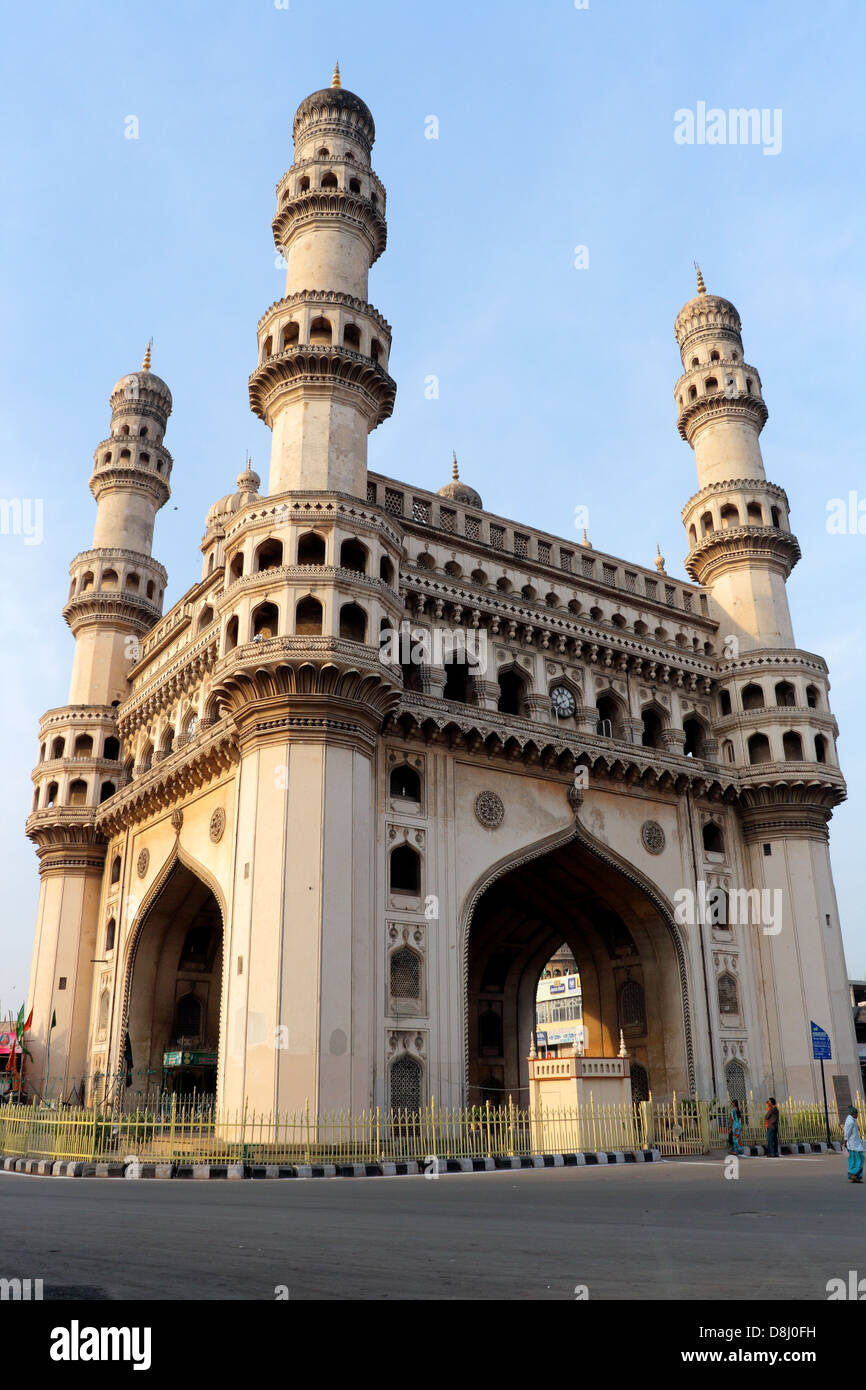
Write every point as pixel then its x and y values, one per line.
pixel 171 1127
pixel 646 1115
pixel 704 1123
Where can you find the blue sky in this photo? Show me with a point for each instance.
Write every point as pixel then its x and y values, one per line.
pixel 556 130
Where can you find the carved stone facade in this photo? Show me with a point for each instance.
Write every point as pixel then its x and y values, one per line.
pixel 336 864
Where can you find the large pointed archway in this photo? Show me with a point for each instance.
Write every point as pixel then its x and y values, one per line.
pixel 629 955
pixel 174 987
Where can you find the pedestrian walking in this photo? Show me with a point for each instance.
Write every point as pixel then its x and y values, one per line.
pixel 854 1145
pixel 736 1128
pixel 771 1124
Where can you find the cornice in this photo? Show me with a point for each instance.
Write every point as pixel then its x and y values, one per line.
pixel 737 545
pixel 330 368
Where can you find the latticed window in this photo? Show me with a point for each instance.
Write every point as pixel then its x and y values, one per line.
pixel 729 1002
pixel 630 582
pixel 687 603
pixel 587 566
pixel 631 1005
pixel 421 511
pixel 543 552
pixel 393 501
pixel 521 545
pixel 670 595
pixel 639 1082
pixel 652 588
pixel 371 492
pixel 608 573
pixel 472 528
pixel 447 520
pixel 406 1083
pixel 704 605
pixel 735 1080
pixel 565 560
pixel 405 974
pixel 497 537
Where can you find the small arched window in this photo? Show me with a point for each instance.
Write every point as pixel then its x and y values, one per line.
pixel 320 332
pixel 754 514
pixel 386 570
pixel 265 622
pixel 330 180
pixel 236 568
pixel 109 934
pixel 205 617
pixel 695 737
pixel 269 555
pixel 289 336
pixel 632 1005
pixel 759 749
pixel 78 793
pixel 353 623
pixel 707 524
pixel 354 185
pixel 792 745
pixel 311 549
pixel 405 870
pixel 375 349
pixel 51 794
pixel 729 998
pixel 57 748
pixel 352 337
pixel 83 747
pixel 725 701
pixel 512 693
pixel 353 556
pixel 308 617
pixel 820 748
pixel 785 694
pixel 104 1006
pixel 651 737
pixel 729 515
pixel 405 1087
pixel 188 1017
pixel 813 698
pixel 109 579
pixel 405 974
pixel 714 842
pixel 405 782
pixel 115 869
pixel 231 634
pixel 753 697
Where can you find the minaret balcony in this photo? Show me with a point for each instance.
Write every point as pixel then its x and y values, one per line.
pixel 304 174
pixel 734 546
pixel 311 369
pixel 709 408
pixel 316 205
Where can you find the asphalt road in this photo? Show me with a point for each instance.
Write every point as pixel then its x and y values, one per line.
pixel 673 1230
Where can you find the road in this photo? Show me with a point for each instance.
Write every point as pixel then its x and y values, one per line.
pixel 672 1230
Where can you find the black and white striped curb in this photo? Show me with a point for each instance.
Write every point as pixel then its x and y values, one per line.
pixel 759 1150
pixel 56 1168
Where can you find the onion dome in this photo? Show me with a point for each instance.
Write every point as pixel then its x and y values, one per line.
pixel 705 313
pixel 334 105
pixel 248 484
pixel 459 492
pixel 143 386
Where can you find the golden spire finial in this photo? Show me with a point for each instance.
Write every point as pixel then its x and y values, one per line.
pixel 145 366
pixel 702 289
pixel 660 559
pixel 335 80
pixel 454 473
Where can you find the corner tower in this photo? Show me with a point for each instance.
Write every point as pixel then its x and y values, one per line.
pixel 115 597
pixel 740 543
pixel 321 383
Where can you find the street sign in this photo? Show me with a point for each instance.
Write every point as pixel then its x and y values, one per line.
pixel 820 1044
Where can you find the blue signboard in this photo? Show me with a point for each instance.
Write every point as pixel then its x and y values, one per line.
pixel 541 1039
pixel 572 982
pixel 558 988
pixel 820 1044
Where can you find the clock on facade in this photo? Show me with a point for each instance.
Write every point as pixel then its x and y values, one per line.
pixel 563 701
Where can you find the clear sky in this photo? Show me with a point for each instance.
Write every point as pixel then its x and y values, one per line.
pixel 555 130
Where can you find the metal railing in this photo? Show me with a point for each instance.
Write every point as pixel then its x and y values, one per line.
pixel 190 1132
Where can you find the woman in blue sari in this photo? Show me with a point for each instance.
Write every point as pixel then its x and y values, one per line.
pixel 854 1145
pixel 736 1128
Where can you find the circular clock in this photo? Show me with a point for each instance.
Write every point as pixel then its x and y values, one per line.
pixel 563 701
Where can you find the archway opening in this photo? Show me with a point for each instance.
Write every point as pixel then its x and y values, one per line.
pixel 174 999
pixel 629 971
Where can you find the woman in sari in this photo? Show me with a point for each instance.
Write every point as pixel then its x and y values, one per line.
pixel 736 1128
pixel 854 1145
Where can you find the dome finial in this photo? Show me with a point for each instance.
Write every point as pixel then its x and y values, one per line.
pixel 335 80
pixel 702 289
pixel 454 470
pixel 660 559
pixel 145 366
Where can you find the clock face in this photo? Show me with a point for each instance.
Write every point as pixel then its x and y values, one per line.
pixel 562 701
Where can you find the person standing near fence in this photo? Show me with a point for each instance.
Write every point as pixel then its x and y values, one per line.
pixel 736 1128
pixel 854 1145
pixel 771 1124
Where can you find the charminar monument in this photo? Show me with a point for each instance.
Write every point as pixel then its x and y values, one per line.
pixel 313 833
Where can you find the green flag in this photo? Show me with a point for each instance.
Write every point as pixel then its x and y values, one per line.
pixel 53 1019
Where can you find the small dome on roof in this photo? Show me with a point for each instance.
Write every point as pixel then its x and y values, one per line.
pixel 460 492
pixel 248 483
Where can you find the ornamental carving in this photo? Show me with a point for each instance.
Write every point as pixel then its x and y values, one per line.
pixel 489 810
pixel 217 824
pixel 652 837
pixel 142 862
pixel 176 820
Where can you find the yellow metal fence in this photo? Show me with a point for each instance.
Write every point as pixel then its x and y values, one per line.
pixel 189 1134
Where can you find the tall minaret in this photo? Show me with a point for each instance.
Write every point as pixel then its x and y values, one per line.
pixel 115 597
pixel 740 542
pixel 322 383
